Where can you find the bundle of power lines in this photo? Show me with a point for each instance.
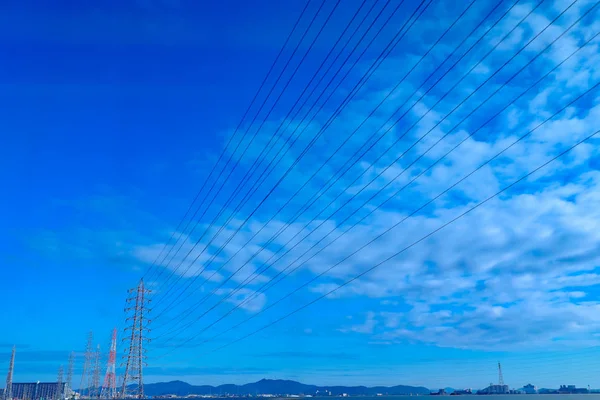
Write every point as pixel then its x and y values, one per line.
pixel 376 31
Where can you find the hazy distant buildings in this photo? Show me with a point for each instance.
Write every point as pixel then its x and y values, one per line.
pixel 495 389
pixel 529 389
pixel 461 392
pixel 37 390
pixel 571 389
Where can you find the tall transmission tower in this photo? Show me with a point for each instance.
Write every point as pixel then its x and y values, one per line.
pixel 96 375
pixel 87 366
pixel 9 376
pixel 59 395
pixel 134 360
pixel 109 388
pixel 500 377
pixel 69 386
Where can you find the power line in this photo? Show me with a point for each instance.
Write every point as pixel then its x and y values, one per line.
pixel 262 289
pixel 311 108
pixel 335 152
pixel 268 263
pixel 272 137
pixel 260 272
pixel 438 160
pixel 232 136
pixel 413 213
pixel 227 145
pixel 345 102
pixel 165 293
pixel 412 244
pixel 389 129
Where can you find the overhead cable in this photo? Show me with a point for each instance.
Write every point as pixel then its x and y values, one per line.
pixel 490 118
pixel 247 130
pixel 180 316
pixel 226 147
pixel 346 100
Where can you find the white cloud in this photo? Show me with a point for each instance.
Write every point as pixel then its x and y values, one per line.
pixel 520 271
pixel 248 300
pixel 367 327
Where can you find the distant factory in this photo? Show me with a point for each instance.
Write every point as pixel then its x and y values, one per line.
pixel 495 389
pixel 529 389
pixel 500 388
pixel 571 389
pixel 38 390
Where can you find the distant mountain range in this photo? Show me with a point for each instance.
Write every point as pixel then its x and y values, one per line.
pixel 274 386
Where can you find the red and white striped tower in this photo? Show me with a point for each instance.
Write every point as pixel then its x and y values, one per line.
pixel 109 388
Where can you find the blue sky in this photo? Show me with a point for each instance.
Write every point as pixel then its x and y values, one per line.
pixel 112 115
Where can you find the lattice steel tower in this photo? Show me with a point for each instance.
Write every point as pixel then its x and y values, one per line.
pixel 9 376
pixel 96 375
pixel 500 377
pixel 59 386
pixel 86 374
pixel 69 387
pixel 134 360
pixel 109 388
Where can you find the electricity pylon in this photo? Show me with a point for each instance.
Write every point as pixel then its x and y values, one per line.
pixel 9 376
pixel 109 388
pixel 134 360
pixel 86 374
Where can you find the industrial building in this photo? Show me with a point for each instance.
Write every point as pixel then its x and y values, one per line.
pixel 571 389
pixel 37 390
pixel 500 388
pixel 529 389
pixel 495 389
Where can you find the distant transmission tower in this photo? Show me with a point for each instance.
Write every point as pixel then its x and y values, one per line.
pixel 87 366
pixel 9 376
pixel 135 358
pixel 96 375
pixel 59 380
pixel 69 386
pixel 109 388
pixel 500 377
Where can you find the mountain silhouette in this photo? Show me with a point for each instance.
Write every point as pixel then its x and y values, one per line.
pixel 276 387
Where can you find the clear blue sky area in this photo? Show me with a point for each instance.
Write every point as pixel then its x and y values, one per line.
pixel 112 114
